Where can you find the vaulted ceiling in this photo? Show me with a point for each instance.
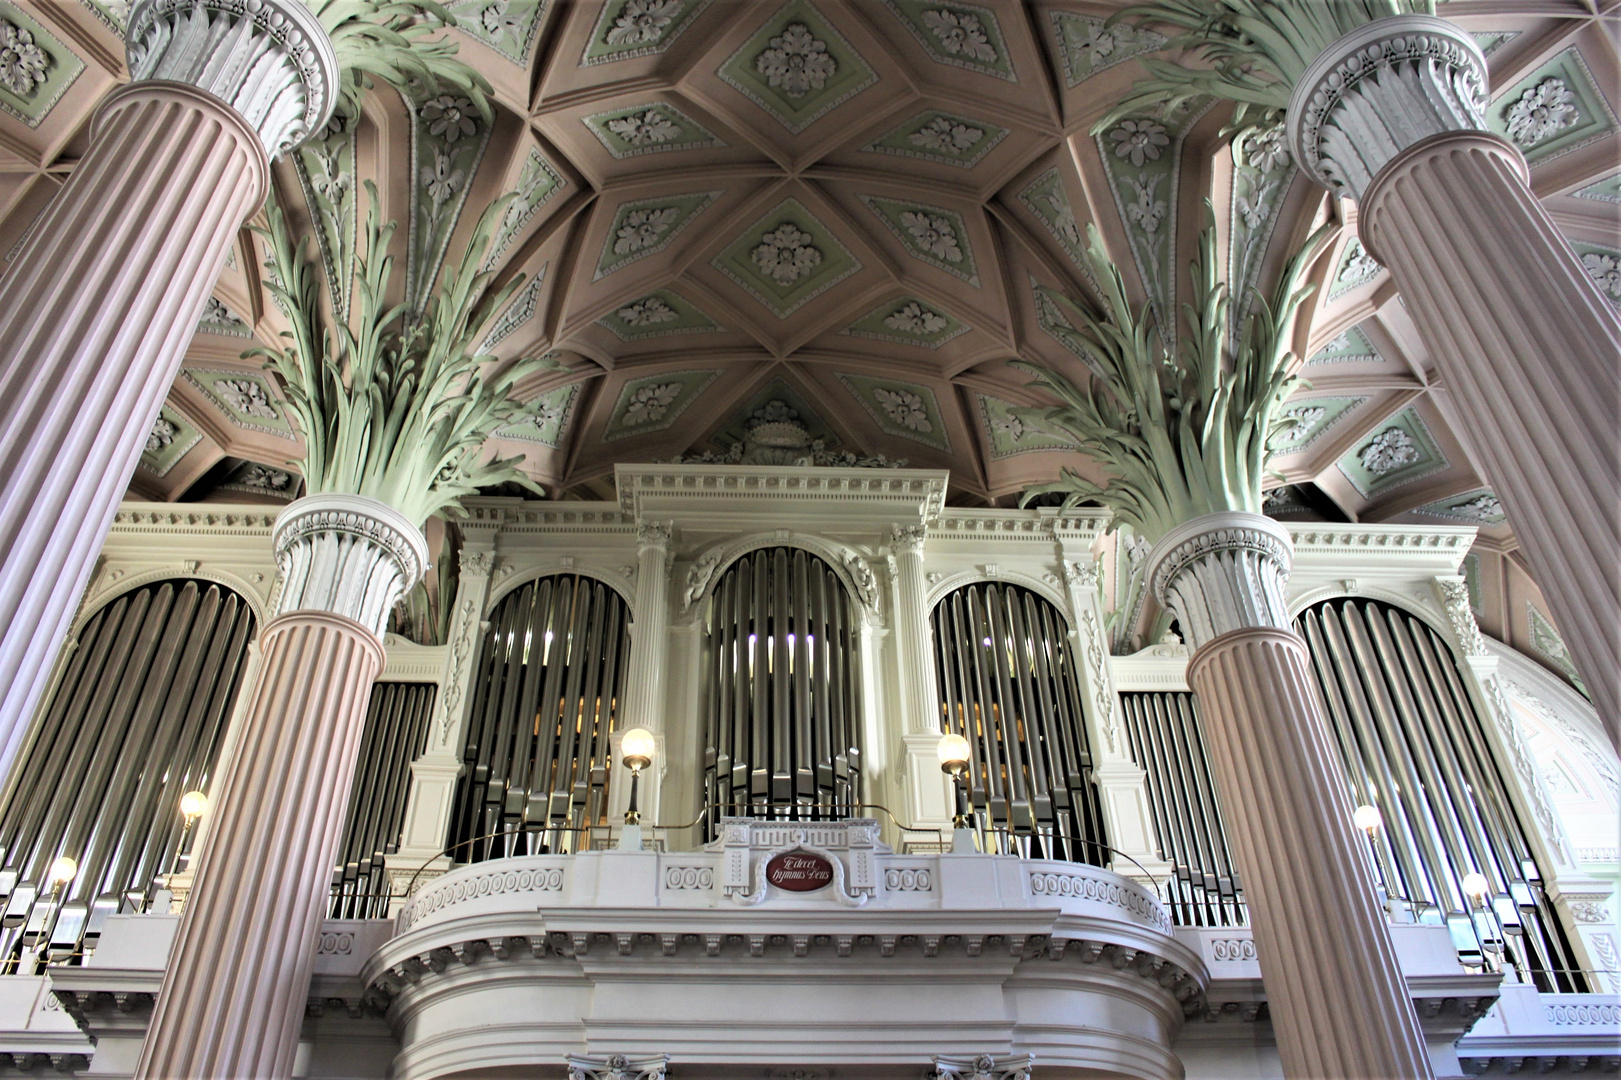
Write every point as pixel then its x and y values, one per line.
pixel 863 209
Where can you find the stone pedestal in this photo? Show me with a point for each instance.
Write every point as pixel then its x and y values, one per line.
pixel 1391 115
pixel 97 310
pixel 234 992
pixel 1339 1004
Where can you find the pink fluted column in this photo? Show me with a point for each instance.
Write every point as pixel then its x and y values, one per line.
pixel 97 310
pixel 239 976
pixel 238 979
pixel 1531 351
pixel 1339 1003
pixel 1391 115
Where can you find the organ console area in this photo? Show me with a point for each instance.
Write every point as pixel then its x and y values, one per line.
pixel 656 788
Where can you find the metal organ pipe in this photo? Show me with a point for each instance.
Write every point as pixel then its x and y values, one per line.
pixel 782 734
pixel 546 691
pixel 136 721
pixel 396 733
pixel 1007 682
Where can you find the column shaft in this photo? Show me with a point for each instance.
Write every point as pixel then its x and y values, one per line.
pixel 234 993
pixel 95 316
pixel 920 696
pixel 1338 1001
pixel 1529 348
pixel 644 687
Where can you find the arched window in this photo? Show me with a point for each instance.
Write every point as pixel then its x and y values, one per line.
pixel 1414 747
pixel 1007 683
pixel 135 722
pixel 546 693
pixel 783 731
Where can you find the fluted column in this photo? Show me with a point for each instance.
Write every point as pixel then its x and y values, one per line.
pixel 644 687
pixel 97 310
pixel 1338 1001
pixel 1391 115
pixel 234 992
pixel 927 793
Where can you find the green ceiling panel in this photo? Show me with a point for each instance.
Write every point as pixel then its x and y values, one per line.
pixel 652 128
pixel 777 401
pixel 630 28
pixel 1552 111
pixel 1047 199
pixel 1086 47
pixel 940 136
pixel 933 234
pixel 1313 417
pixel 647 226
pixel 1607 190
pixel 243 396
pixel 1351 347
pixel 663 313
pixel 797 67
pixel 910 321
pixel 1478 507
pixel 538 181
pixel 549 426
pixel 1603 265
pixel 962 35
pixel 507 26
pixel 1356 269
pixel 903 409
pixel 1011 434
pixel 36 68
pixel 171 438
pixel 653 403
pixel 1398 453
pixel 786 258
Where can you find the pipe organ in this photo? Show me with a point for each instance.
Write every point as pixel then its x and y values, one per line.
pixel 1412 745
pixel 396 733
pixel 782 732
pixel 1168 745
pixel 546 690
pixel 135 721
pixel 1007 682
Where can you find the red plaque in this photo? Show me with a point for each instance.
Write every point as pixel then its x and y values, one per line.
pixel 799 871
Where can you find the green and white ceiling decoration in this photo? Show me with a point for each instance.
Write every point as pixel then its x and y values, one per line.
pixel 658 314
pixel 171 438
pixel 1400 452
pixel 907 410
pixel 36 67
pixel 252 478
pixel 910 321
pixel 861 209
pixel 654 403
pixel 787 258
pixel 797 67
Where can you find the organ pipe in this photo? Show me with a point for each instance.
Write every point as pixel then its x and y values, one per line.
pixel 546 692
pixel 395 734
pixel 782 732
pixel 136 721
pixel 1007 682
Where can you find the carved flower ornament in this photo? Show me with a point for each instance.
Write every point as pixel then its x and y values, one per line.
pixel 1139 140
pixel 1543 110
pixel 785 254
pixel 642 228
pixel 933 234
pixel 960 34
pixel 650 403
pixel 1267 150
pixel 442 180
pixel 914 318
pixel 946 136
pixel 796 63
pixel 449 118
pixel 22 63
pixel 642 129
pixel 162 435
pixel 497 19
pixel 643 22
pixel 1389 450
pixel 1605 270
pixel 647 312
pixel 905 408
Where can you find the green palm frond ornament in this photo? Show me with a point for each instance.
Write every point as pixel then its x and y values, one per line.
pixel 393 42
pixel 1181 434
pixel 394 406
pixel 1257 49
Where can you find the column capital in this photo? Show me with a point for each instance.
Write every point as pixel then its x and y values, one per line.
pixel 654 536
pixel 1223 572
pixel 908 539
pixel 346 554
pixel 1379 89
pixel 269 60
